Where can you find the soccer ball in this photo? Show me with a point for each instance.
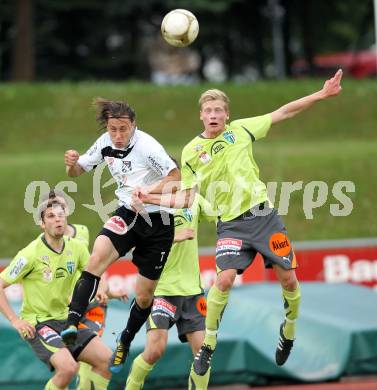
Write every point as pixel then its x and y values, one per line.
pixel 179 27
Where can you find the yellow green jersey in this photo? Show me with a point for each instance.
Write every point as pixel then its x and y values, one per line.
pixel 47 278
pixel 224 169
pixel 181 274
pixel 81 232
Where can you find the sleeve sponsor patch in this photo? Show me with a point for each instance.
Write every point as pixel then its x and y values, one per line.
pixel 156 165
pixel 17 267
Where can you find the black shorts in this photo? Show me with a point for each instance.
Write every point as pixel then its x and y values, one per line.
pixel 47 340
pixel 151 239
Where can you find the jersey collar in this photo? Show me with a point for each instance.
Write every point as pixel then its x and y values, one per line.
pixel 49 247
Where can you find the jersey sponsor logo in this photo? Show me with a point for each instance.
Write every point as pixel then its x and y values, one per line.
pixel 201 305
pixel 279 244
pixel 70 266
pixel 92 150
pixel 217 147
pixel 46 332
pixel 116 225
pixel 178 220
pixel 17 267
pixel 163 305
pixel 155 165
pixel 228 244
pixel 204 157
pixel 60 273
pixel 229 136
pixel 126 166
pixel 47 274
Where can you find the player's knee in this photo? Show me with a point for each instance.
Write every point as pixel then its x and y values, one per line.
pixel 144 299
pixel 155 352
pixel 288 281
pixel 68 370
pixel 225 281
pixel 103 359
pixel 95 264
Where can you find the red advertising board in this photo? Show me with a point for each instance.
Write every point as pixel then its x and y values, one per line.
pixel 354 264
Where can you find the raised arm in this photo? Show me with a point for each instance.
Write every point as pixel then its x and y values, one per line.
pixel 73 169
pixel 330 88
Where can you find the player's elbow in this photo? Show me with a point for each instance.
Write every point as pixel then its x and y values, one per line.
pixel 175 174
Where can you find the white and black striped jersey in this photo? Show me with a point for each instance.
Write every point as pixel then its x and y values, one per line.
pixel 143 162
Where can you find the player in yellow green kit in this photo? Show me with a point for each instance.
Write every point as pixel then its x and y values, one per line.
pixel 220 164
pixel 47 269
pixel 179 299
pixel 95 315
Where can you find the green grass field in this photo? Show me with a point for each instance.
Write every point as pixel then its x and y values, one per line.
pixel 336 140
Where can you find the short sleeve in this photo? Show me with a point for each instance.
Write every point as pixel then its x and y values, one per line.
pixel 17 269
pixel 157 159
pixel 188 176
pixel 83 256
pixel 257 127
pixel 92 157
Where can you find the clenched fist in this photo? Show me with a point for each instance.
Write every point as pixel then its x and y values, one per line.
pixel 71 157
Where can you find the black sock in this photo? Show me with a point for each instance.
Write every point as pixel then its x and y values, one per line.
pixel 135 321
pixel 85 290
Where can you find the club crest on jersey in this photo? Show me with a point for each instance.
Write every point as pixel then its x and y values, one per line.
pixel 126 166
pixel 70 266
pixel 205 158
pixel 187 213
pixel 116 225
pixel 229 136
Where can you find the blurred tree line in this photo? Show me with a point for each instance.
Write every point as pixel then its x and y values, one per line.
pixel 96 39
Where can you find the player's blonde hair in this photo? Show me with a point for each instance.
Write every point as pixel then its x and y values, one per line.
pixel 214 94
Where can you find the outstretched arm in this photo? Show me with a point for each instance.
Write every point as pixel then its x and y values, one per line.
pixel 330 88
pixel 177 200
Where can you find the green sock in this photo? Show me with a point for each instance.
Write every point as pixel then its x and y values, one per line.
pixel 291 306
pixel 83 376
pixel 139 371
pixel 93 381
pixel 198 382
pixel 50 386
pixel 216 303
